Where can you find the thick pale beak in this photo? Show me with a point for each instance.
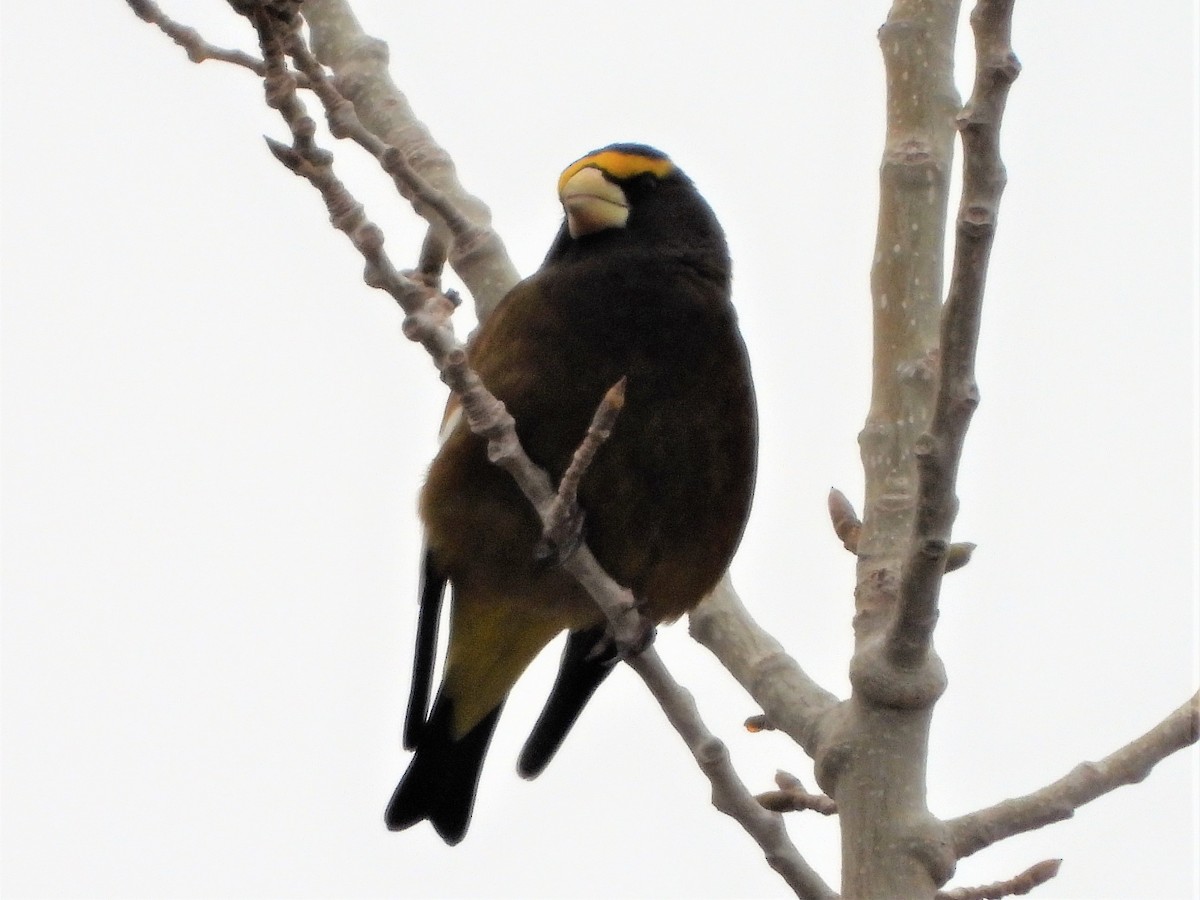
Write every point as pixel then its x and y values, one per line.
pixel 593 203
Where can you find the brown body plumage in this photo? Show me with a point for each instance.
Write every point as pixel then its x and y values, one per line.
pixel 637 285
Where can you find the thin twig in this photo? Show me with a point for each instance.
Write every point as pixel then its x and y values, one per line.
pixel 197 48
pixel 467 235
pixel 1037 874
pixel 1087 781
pixel 729 795
pixel 432 259
pixel 564 519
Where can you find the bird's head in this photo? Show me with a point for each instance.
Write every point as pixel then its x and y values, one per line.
pixel 634 193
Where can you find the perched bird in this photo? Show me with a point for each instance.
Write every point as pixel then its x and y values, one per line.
pixel 636 284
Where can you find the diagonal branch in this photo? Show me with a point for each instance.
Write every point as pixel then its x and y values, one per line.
pixel 939 450
pixel 1083 784
pixel 730 795
pixel 360 66
pixel 427 322
pixel 793 702
pixel 564 519
pixel 197 48
pixel 468 237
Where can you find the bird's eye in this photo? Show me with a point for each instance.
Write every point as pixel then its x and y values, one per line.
pixel 647 180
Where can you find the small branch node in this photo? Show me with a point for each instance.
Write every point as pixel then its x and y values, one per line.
pixel 925 447
pixel 285 154
pixel 912 680
pixel 934 549
pixel 792 796
pixel 305 127
pixel 345 213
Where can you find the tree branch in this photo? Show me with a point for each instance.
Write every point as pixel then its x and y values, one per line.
pixel 917 44
pixel 875 765
pixel 360 66
pixel 793 702
pixel 1035 875
pixel 427 322
pixel 564 519
pixel 1087 781
pixel 197 48
pixel 939 450
pixel 730 795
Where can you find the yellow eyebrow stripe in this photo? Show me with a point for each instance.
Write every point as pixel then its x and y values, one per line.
pixel 619 165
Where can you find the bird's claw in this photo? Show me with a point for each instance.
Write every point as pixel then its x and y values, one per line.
pixel 636 634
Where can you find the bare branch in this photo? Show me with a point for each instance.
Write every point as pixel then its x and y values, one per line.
pixel 1087 781
pixel 1037 874
pixel 359 63
pixel 197 48
pixel 564 519
pixel 730 795
pixel 466 235
pixel 917 44
pixel 427 322
pixel 939 450
pixel 432 259
pixel 874 765
pixel 792 701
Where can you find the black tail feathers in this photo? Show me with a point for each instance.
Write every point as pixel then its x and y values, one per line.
pixel 433 587
pixel 579 674
pixel 442 778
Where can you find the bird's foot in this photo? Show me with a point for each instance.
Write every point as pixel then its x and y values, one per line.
pixel 562 536
pixel 634 633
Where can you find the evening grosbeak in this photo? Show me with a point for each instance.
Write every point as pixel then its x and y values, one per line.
pixel 636 285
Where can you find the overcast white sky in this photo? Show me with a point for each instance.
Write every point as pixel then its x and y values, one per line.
pixel 214 434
